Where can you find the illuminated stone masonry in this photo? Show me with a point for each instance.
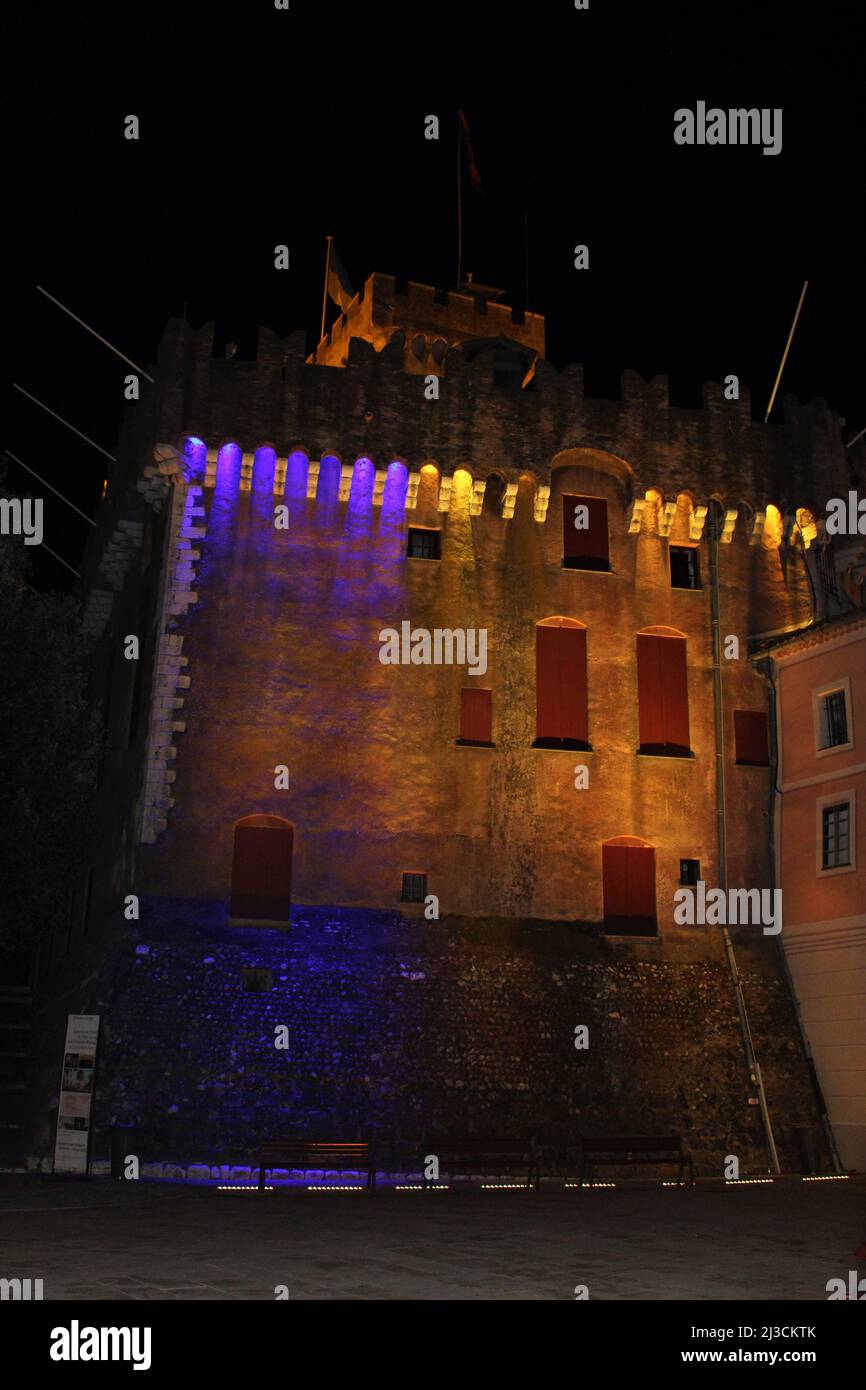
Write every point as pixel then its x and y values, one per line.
pixel 185 528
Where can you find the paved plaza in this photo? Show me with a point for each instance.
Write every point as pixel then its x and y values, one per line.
pixel 98 1240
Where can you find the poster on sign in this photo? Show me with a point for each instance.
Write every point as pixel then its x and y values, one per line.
pixel 72 1142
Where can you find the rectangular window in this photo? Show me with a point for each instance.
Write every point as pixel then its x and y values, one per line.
pixel 685 567
pixel 414 888
pixel 424 544
pixel 833 719
pixel 751 738
pixel 584 533
pixel 476 717
pixel 836 836
pixel 690 872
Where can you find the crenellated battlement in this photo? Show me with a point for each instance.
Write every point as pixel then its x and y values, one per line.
pixel 375 408
pixel 429 320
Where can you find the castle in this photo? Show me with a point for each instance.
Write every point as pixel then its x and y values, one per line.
pixel 458 512
pixel 267 522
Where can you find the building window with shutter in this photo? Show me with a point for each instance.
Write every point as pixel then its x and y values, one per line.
pixel 414 888
pixel 831 708
pixel 685 563
pixel 629 886
pixel 751 738
pixel 424 543
pixel 476 718
pixel 836 829
pixel 663 693
pixel 584 533
pixel 561 713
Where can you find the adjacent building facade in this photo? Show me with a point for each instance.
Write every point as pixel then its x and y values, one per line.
pixel 819 676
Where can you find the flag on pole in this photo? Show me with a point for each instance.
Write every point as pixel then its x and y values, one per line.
pixel 474 176
pixel 339 284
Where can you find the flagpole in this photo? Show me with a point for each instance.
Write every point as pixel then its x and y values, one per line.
pixel 325 294
pixel 459 209
pixel 787 348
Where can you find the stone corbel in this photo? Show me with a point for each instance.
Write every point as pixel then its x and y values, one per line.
pixel 542 502
pixel 666 518
pixel 379 486
pixel 476 498
pixel 346 472
pixel 636 520
pixel 758 528
pixel 412 485
pixel 313 470
pixel 728 528
pixel 509 498
pixel 280 469
pixel 697 520
pixel 210 469
pixel 247 462
pixel 445 486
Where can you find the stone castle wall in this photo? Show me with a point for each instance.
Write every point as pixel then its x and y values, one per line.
pixel 409 1032
pixel 378 783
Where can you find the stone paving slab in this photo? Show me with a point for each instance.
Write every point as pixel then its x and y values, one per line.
pixel 104 1241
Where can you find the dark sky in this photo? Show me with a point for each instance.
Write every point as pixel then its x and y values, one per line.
pixel 262 127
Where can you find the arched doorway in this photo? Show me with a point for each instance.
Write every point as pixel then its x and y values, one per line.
pixel 629 879
pixel 262 869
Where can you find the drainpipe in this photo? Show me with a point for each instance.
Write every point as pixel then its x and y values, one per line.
pixel 767 669
pixel 721 838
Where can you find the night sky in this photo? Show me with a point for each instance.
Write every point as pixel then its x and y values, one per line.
pixel 262 127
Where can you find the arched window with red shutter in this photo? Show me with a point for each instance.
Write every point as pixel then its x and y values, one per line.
pixel 562 717
pixel 629 881
pixel 663 692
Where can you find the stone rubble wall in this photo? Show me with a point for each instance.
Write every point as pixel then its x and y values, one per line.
pixel 408 1032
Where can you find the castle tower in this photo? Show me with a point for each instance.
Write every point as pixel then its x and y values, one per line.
pixel 427 322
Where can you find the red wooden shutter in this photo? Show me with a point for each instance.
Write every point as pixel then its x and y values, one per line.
pixel 751 737
pixel 641 881
pixel 560 674
pixel 649 689
pixel 476 718
pixel 572 683
pixel 614 862
pixel 675 691
pixel 547 685
pixel 262 871
pixel 629 882
pixel 588 544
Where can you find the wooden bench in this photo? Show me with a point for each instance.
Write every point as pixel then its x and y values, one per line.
pixel 477 1153
pixel 340 1156
pixel 628 1149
